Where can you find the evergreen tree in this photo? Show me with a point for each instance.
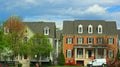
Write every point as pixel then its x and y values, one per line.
pixel 61 59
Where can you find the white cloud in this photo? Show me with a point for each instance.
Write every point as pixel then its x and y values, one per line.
pixel 59 10
pixel 115 16
pixel 96 9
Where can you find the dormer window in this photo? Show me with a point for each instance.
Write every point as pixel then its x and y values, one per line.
pixel 90 29
pixel 80 29
pixel 100 29
pixel 46 31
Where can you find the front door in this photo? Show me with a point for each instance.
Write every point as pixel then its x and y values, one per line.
pixel 89 53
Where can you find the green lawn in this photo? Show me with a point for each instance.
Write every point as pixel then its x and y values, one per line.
pixel 66 66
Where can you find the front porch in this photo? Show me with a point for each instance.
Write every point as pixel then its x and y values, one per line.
pixel 86 53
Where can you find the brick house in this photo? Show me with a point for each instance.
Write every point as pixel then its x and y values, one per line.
pixel 85 40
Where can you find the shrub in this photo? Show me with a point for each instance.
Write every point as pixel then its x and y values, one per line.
pixel 61 59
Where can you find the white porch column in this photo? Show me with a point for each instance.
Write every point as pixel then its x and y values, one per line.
pixel 96 53
pixel 84 53
pixel 75 54
pixel 104 53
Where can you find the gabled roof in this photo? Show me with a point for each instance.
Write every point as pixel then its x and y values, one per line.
pixel 71 27
pixel 38 27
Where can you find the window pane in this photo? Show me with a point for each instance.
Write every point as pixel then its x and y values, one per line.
pixel 90 29
pixel 99 40
pixel 79 53
pixel 80 40
pixel 110 53
pixel 110 41
pixel 69 53
pixel 100 30
pixel 69 41
pixel 46 31
pixel 80 29
pixel 90 40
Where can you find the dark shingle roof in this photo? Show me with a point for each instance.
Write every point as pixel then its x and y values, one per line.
pixel 71 27
pixel 38 27
pixel 118 31
pixel 59 34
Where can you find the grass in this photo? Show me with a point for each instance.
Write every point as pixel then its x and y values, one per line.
pixel 56 66
pixel 66 66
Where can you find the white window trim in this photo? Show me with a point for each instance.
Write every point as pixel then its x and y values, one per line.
pixel 69 56
pixel 100 26
pixel 90 26
pixel 46 29
pixel 80 31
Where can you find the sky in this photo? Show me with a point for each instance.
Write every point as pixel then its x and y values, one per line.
pixel 59 10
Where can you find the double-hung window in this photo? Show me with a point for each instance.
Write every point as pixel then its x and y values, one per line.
pixel 69 40
pixel 110 54
pixel 110 40
pixel 99 40
pixel 69 53
pixel 80 40
pixel 90 40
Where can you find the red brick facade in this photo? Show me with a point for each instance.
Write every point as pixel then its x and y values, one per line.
pixel 85 42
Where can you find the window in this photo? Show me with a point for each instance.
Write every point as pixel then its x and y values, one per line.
pixel 69 53
pixel 80 29
pixel 69 40
pixel 90 40
pixel 110 54
pixel 46 31
pixel 110 41
pixel 99 40
pixel 90 29
pixel 99 29
pixel 80 40
pixel 79 53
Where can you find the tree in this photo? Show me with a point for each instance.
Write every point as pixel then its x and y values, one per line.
pixel 42 46
pixel 6 53
pixel 61 59
pixel 14 25
pixel 36 47
pixel 5 47
pixel 14 28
